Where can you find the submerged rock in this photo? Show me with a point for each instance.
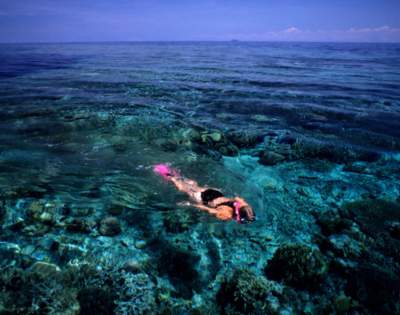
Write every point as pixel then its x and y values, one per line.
pixel 214 144
pixel 39 218
pixel 45 270
pixel 178 261
pixel 93 300
pixel 3 211
pixel 66 252
pixel 35 229
pixel 115 209
pixel 79 225
pixel 355 167
pixel 287 139
pixel 394 229
pixel 374 217
pixel 185 137
pixel 322 151
pixel 80 212
pixel 140 244
pixel 228 150
pixel 376 287
pixel 345 246
pixel 10 253
pixel 216 136
pixel 270 158
pixel 41 212
pixel 135 265
pixel 373 214
pixel 333 152
pixel 245 139
pixel 167 145
pixel 343 304
pixel 331 222
pixel 110 226
pixel 297 265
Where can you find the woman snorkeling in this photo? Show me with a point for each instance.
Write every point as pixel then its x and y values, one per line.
pixel 208 199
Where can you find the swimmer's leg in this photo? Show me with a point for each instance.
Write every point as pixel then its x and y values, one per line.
pixel 185 185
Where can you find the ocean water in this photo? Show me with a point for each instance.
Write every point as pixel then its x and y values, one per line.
pixel 81 126
pixel 59 102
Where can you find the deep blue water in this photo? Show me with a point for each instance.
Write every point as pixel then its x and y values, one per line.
pixel 342 89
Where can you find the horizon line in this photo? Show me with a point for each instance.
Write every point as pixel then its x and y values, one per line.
pixel 196 41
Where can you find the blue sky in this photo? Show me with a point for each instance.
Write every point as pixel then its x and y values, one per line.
pixel 136 20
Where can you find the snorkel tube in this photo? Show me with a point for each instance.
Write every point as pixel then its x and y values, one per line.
pixel 236 204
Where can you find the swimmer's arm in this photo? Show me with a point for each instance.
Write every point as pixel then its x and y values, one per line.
pixel 222 215
pixel 179 184
pixel 202 207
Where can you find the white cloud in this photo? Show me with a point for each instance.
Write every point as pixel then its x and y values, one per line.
pixel 369 34
pixel 372 30
pixel 292 29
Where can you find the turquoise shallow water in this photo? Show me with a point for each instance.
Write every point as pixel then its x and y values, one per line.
pixel 300 130
pixel 65 106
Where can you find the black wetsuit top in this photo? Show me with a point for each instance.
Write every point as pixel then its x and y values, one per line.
pixel 210 194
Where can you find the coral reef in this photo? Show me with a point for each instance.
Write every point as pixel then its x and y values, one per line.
pixel 36 290
pixel 297 265
pixel 363 252
pixel 170 260
pixel 245 293
pixel 136 295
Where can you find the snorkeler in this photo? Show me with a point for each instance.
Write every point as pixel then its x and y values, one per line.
pixel 208 199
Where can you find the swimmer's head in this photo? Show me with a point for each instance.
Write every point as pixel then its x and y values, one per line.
pixel 246 214
pixel 243 212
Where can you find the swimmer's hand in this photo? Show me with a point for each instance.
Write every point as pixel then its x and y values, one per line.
pixel 184 204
